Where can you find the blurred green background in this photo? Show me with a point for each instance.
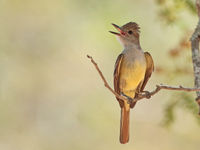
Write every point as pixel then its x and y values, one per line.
pixel 51 96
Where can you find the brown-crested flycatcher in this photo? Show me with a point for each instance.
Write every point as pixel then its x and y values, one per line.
pixel 133 68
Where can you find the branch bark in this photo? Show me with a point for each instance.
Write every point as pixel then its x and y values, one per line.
pixel 146 93
pixel 196 54
pixel 195 39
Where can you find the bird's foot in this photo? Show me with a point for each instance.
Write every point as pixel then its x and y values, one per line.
pixel 130 100
pixel 147 94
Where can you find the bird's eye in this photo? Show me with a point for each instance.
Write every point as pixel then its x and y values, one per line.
pixel 130 32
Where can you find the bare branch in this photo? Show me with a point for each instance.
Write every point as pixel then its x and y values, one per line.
pixel 104 80
pixel 196 54
pixel 198 7
pixel 146 93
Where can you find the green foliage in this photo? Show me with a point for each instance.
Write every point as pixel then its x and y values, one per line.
pixel 169 115
pixel 183 101
pixel 170 10
pixel 174 12
pixel 188 103
pixel 191 7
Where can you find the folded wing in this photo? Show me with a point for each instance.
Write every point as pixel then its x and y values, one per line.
pixel 149 69
pixel 117 76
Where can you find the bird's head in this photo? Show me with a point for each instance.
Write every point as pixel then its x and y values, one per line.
pixel 128 33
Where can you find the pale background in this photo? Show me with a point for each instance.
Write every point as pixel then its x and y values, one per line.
pixel 51 97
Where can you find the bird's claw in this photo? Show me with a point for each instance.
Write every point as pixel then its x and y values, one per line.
pixel 130 100
pixel 147 94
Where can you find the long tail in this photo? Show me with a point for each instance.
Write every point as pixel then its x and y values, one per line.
pixel 124 124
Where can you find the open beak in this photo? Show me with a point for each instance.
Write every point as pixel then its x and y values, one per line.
pixel 119 29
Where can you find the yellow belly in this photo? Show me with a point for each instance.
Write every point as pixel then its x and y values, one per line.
pixel 131 75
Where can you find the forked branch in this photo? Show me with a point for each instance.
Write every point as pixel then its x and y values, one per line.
pixel 146 93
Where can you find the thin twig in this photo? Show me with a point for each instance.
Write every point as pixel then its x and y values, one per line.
pixel 104 80
pixel 141 96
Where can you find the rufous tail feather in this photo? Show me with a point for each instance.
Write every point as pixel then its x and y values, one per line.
pixel 124 124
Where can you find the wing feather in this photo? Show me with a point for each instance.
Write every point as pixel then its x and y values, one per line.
pixel 149 69
pixel 117 76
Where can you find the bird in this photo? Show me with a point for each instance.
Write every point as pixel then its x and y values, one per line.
pixel 133 68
